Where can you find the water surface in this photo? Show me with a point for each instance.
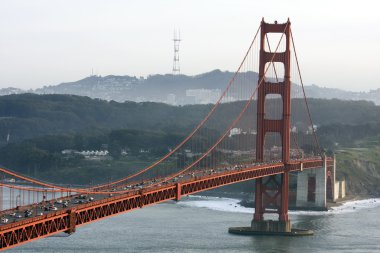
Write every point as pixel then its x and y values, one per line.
pixel 200 224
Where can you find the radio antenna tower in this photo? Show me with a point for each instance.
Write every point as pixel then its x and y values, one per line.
pixel 176 40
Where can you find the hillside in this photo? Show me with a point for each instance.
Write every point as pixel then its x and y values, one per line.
pixel 39 127
pixel 28 115
pixel 177 90
pixel 359 164
pixel 170 89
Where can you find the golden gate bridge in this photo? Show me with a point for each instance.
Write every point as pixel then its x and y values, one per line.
pixel 260 128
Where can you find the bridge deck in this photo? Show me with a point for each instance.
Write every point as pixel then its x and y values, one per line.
pixel 66 220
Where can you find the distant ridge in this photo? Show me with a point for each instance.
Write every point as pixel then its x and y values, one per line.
pixel 176 90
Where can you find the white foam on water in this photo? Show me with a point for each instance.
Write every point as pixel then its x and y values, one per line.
pixel 356 205
pixel 215 203
pixel 232 205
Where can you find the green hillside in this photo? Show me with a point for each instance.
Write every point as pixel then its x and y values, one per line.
pixel 360 166
pixel 41 126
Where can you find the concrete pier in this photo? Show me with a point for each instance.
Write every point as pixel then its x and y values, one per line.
pixel 270 227
pixel 317 186
pixel 311 188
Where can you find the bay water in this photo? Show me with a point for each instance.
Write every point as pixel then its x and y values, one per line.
pixel 200 224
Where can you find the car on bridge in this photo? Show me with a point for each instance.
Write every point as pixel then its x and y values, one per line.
pixel 28 213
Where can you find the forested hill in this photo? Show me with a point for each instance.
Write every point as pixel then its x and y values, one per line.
pixel 40 127
pixel 26 116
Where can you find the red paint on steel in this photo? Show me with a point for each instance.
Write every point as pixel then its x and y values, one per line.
pixel 281 126
pixel 259 212
pixel 178 196
pixel 283 214
pixel 34 228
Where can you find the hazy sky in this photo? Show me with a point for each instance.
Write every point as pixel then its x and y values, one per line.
pixel 45 42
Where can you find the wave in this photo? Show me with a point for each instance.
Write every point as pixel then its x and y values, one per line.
pixel 232 205
pixel 216 203
pixel 356 205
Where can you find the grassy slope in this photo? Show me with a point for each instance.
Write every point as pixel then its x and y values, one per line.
pixel 360 166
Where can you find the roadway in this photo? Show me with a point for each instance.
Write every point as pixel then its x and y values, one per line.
pixel 75 200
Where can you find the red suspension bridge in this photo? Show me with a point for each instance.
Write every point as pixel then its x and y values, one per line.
pixel 260 128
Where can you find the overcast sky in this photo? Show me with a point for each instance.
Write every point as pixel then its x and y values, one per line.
pixel 46 42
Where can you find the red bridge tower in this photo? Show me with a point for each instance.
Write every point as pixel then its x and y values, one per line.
pixel 269 190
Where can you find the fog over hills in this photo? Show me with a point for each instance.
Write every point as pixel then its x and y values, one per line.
pixel 176 90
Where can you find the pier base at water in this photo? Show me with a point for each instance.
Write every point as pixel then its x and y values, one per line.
pixel 270 227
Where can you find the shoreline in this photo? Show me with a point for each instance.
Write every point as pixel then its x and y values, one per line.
pixel 228 204
pixel 246 200
pixel 349 198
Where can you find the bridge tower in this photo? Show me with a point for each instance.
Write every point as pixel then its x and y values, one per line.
pixel 269 190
